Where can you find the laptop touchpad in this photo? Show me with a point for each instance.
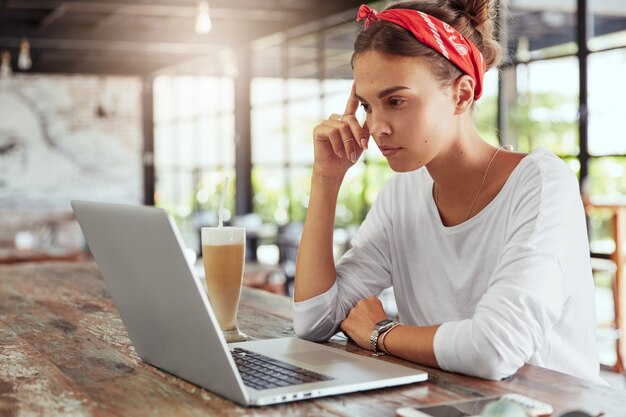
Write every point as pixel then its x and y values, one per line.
pixel 319 358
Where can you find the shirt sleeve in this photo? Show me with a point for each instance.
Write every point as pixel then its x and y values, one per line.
pixel 526 293
pixel 363 271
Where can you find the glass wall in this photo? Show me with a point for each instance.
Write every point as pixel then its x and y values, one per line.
pixel 194 149
pixel 546 112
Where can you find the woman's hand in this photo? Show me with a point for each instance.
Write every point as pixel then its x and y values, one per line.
pixel 361 320
pixel 339 141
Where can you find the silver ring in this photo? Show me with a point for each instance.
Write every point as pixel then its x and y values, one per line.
pixel 341 118
pixel 347 140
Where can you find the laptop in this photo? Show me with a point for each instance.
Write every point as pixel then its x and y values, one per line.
pixel 170 322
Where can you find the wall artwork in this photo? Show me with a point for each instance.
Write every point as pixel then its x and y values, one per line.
pixel 64 138
pixel 69 137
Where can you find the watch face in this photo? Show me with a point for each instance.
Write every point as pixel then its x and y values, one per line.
pixel 384 322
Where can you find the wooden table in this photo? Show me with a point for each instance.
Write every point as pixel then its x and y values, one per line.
pixel 64 351
pixel 618 226
pixel 13 255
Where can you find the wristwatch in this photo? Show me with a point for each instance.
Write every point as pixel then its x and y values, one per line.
pixel 379 328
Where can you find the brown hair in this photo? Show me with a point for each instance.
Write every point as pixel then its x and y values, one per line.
pixel 472 18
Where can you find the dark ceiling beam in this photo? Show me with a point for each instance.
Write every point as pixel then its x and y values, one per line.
pixel 155 10
pixel 106 58
pixel 123 69
pixel 54 15
pixel 330 14
pixel 221 35
pixel 197 65
pixel 89 66
pixel 233 4
pixel 105 61
pixel 125 47
pixel 108 21
pixel 605 7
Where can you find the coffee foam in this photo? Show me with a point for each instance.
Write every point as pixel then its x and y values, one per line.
pixel 218 236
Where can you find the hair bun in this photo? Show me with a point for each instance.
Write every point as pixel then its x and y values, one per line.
pixel 476 11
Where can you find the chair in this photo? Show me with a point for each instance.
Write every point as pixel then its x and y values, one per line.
pixel 288 241
pixel 614 262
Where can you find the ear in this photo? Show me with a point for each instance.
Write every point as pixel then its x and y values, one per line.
pixel 463 93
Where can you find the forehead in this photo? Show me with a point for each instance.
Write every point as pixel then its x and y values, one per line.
pixel 374 71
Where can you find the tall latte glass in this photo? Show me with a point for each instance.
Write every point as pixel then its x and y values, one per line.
pixel 223 253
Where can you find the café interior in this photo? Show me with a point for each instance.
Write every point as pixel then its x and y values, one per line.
pixel 157 102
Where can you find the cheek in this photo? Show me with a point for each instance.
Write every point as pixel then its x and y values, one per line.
pixel 421 127
pixel 434 121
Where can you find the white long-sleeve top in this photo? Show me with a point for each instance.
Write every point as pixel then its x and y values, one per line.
pixel 512 285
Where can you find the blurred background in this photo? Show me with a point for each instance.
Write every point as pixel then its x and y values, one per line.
pixel 156 101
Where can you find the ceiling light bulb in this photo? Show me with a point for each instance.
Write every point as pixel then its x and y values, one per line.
pixel 24 61
pixel 5 65
pixel 203 19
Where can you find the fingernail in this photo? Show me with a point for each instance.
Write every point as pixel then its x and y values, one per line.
pixel 353 157
pixel 340 154
pixel 364 143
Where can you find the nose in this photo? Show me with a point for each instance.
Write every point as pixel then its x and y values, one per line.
pixel 378 126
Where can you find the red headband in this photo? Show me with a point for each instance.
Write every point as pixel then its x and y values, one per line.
pixel 437 35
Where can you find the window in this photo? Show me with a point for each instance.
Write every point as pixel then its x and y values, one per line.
pixel 194 149
pixel 546 111
pixel 607 90
pixel 486 112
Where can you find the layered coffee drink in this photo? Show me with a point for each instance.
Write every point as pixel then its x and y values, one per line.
pixel 223 254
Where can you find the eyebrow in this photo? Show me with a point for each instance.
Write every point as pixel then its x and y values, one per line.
pixel 385 92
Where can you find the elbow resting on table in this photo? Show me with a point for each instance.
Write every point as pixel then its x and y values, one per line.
pixel 306 330
pixel 496 370
pixel 495 363
pixel 317 319
pixel 317 324
pixel 480 348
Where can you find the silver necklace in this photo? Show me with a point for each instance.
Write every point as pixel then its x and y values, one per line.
pixel 479 189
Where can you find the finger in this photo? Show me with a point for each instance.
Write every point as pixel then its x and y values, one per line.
pixel 348 142
pixel 358 133
pixel 328 129
pixel 347 138
pixel 366 134
pixel 353 103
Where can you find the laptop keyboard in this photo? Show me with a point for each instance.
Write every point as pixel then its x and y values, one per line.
pixel 262 372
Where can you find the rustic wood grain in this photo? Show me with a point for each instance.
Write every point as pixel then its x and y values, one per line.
pixel 64 351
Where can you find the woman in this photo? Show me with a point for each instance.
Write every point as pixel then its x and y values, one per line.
pixel 485 248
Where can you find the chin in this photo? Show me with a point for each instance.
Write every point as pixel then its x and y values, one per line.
pixel 403 166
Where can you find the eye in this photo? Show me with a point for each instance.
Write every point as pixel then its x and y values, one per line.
pixel 366 107
pixel 395 101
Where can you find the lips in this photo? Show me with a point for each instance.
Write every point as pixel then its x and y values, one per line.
pixel 388 151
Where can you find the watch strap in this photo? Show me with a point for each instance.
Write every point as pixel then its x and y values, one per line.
pixel 376 331
pixel 383 348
